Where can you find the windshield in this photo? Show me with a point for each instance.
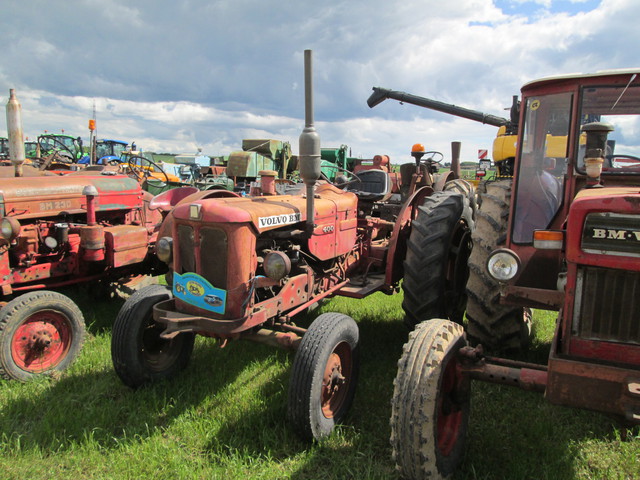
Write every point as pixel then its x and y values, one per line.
pixel 58 142
pixel 620 107
pixel 543 163
pixel 104 149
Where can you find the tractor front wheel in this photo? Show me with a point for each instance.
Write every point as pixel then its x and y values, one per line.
pixel 431 402
pixel 40 333
pixel 324 376
pixel 139 354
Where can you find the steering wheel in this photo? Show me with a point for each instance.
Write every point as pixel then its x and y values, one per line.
pixel 62 153
pixel 145 169
pixel 612 159
pixel 432 157
pixel 350 177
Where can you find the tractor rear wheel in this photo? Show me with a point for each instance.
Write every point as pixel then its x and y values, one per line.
pixel 464 188
pixel 431 402
pixel 40 333
pixel 435 267
pixel 324 376
pixel 496 326
pixel 138 352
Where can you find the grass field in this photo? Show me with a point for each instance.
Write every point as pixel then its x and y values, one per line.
pixel 224 417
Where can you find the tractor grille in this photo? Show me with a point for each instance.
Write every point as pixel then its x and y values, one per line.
pixel 186 246
pixel 607 305
pixel 212 249
pixel 213 256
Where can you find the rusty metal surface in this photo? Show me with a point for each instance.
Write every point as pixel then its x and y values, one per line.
pixel 526 376
pixel 35 197
pixel 602 388
pixel 533 297
pixel 125 244
pixel 287 340
pixel 168 314
pixel 397 245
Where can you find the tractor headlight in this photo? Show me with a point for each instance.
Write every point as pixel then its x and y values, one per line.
pixel 277 265
pixel 164 249
pixel 503 264
pixel 10 228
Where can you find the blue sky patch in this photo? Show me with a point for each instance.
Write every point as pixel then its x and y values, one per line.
pixel 531 8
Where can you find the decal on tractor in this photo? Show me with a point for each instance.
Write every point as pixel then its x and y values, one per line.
pixel 277 220
pixel 611 233
pixel 197 291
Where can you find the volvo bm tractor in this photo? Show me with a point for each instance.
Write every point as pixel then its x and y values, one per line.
pixel 245 267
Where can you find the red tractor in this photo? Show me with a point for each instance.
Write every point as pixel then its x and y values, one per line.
pixel 563 234
pixel 87 226
pixel 244 267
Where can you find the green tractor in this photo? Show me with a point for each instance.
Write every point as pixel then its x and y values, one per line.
pixel 55 150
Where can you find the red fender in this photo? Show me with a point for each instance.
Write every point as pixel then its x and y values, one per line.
pixel 400 235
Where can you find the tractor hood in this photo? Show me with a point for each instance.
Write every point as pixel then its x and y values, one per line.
pixel 605 222
pixel 37 197
pixel 268 212
pixel 335 220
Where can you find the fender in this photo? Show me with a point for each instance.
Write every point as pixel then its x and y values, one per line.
pixel 401 230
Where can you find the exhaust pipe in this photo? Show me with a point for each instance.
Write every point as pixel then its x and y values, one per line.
pixel 14 131
pixel 309 144
pixel 455 158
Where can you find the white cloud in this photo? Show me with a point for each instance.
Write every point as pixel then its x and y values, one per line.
pixel 177 75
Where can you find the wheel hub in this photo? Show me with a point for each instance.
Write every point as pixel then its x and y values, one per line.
pixel 41 342
pixel 334 381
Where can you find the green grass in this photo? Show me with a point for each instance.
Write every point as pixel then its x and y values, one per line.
pixel 224 417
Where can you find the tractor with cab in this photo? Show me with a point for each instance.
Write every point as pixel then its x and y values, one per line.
pixel 562 234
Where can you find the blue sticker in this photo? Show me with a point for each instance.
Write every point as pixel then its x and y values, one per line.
pixel 197 291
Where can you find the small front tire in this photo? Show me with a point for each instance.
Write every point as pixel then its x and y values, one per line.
pixel 324 376
pixel 139 354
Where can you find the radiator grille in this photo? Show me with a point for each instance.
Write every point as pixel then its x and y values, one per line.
pixel 608 305
pixel 213 256
pixel 212 248
pixel 186 248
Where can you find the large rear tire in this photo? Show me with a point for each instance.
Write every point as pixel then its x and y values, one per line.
pixel 324 376
pixel 139 354
pixel 431 402
pixel 41 333
pixel 497 327
pixel 464 188
pixel 435 267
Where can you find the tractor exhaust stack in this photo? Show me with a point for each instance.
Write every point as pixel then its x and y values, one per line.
pixel 309 143
pixel 14 132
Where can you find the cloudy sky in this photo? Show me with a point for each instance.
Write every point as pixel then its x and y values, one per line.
pixel 177 75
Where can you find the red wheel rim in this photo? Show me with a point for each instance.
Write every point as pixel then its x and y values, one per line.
pixel 449 414
pixel 42 341
pixel 336 378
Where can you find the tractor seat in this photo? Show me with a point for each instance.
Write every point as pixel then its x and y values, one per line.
pixel 373 185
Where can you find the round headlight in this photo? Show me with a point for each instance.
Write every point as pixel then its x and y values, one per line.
pixel 503 264
pixel 10 228
pixel 164 249
pixel 277 265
